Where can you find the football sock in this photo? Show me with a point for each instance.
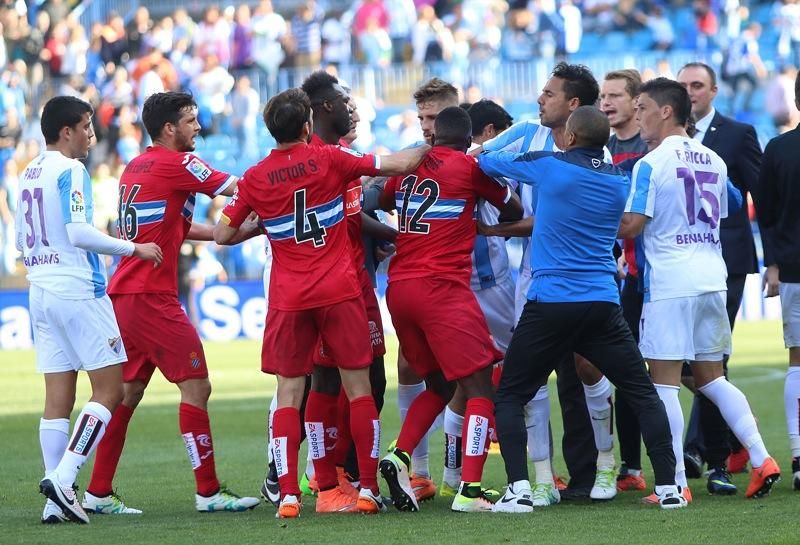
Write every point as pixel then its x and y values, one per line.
pixel 421 415
pixel 89 429
pixel 669 396
pixel 109 451
pixel 406 394
pixel 344 439
pixel 791 401
pixel 544 471
pixel 366 429
pixel 601 410
pixel 537 417
pixel 453 426
pixel 285 447
pixel 321 417
pixel 53 438
pixel 196 431
pixel 478 424
pixel 273 406
pixel 736 411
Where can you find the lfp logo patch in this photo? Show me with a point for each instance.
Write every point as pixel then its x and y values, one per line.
pixel 77 202
pixel 197 169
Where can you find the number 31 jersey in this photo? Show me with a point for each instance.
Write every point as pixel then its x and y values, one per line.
pixel 298 194
pixel 681 187
pixel 55 190
pixel 436 215
pixel 156 203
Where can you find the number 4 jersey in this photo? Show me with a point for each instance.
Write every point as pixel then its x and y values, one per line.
pixel 298 194
pixel 681 187
pixel 156 203
pixel 436 208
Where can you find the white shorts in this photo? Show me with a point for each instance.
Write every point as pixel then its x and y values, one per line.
pixel 70 335
pixel 497 304
pixel 790 308
pixel 521 293
pixel 686 328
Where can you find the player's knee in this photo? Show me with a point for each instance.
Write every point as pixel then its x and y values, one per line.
pixel 133 393
pixel 588 373
pixel 439 385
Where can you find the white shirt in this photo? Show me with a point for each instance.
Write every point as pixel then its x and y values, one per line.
pixel 54 191
pixel 702 125
pixel 681 187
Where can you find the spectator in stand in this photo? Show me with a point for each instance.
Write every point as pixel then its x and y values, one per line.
pixel 659 25
pixel 518 44
pixel 242 55
pixel 707 24
pixel 573 26
pixel 211 88
pixel 336 40
pixel 599 15
pixel 375 44
pixel 56 46
pixel 213 37
pixel 370 12
pixel 269 34
pixel 306 34
pixel 9 183
pixel 184 25
pixel 74 61
pixel 162 36
pixel 115 40
pixel 431 40
pixel 33 47
pixel 779 100
pixel 744 68
pixel 402 16
pixel 245 106
pixel 57 10
pixel 787 21
pixel 186 65
pixel 136 30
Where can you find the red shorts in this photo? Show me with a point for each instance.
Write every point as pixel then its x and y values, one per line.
pixel 440 326
pixel 290 338
pixel 374 321
pixel 157 333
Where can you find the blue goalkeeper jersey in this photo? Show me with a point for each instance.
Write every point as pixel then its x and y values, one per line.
pixel 581 200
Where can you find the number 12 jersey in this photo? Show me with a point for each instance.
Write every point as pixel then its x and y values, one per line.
pixel 681 187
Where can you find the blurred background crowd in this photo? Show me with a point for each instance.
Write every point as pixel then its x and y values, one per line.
pixel 115 53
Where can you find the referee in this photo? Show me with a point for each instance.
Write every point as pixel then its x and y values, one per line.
pixel 573 301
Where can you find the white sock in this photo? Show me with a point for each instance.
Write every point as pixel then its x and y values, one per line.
pixel 273 406
pixel 89 429
pixel 406 394
pixel 791 402
pixel 544 473
pixel 733 406
pixel 537 417
pixel 669 396
pixel 605 459
pixel 453 426
pixel 53 438
pixel 601 407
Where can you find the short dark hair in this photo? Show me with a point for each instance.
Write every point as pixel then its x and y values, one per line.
pixel 797 89
pixel 319 86
pixel 286 113
pixel 452 126
pixel 667 92
pixel 590 127
pixel 435 89
pixel 488 112
pixel 60 112
pixel 703 66
pixel 632 78
pixel 162 108
pixel 578 82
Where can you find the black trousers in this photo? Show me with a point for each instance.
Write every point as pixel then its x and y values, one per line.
pixel 577 443
pixel 707 432
pixel 628 433
pixel 546 335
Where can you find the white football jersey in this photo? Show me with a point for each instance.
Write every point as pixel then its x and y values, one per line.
pixel 681 187
pixel 55 190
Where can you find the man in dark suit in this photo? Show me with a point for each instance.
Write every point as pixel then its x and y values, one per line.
pixel 736 143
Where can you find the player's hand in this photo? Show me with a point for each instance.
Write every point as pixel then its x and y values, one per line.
pixel 475 151
pixel 149 251
pixel 485 230
pixel 771 282
pixel 251 224
pixel 384 252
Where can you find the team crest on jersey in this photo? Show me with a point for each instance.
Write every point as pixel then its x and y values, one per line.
pixel 352 152
pixel 194 360
pixel 115 344
pixel 78 205
pixel 596 163
pixel 197 169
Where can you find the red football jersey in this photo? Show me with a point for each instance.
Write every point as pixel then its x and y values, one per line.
pixel 298 194
pixel 156 203
pixel 436 208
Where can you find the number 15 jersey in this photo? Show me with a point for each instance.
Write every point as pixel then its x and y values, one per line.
pixel 298 194
pixel 681 187
pixel 156 204
pixel 436 209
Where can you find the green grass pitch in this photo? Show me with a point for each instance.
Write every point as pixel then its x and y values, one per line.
pixel 154 473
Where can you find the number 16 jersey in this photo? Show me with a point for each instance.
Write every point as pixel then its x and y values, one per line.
pixel 681 187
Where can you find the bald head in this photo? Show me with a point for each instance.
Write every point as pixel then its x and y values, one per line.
pixel 590 127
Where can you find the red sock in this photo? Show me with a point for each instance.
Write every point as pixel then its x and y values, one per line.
pixel 420 417
pixel 344 439
pixel 285 447
pixel 196 431
pixel 109 451
pixel 365 426
pixel 478 423
pixel 320 419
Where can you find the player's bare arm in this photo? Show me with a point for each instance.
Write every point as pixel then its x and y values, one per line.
pixel 251 227
pixel 520 228
pixel 377 230
pixel 631 225
pixel 201 232
pixel 404 161
pixel 512 211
